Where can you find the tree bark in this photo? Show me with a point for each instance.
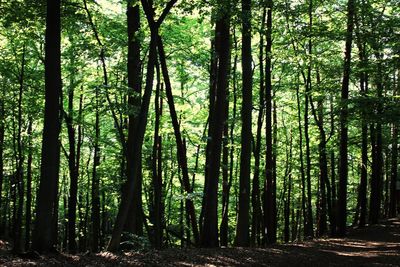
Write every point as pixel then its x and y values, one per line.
pixel 268 202
pixel 343 167
pixel 43 234
pixel 209 235
pixel 242 227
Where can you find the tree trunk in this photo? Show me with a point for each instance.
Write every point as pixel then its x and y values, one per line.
pixel 2 128
pixel 28 208
pixel 242 227
pixel 268 202
pixel 134 222
pixel 377 158
pixel 95 193
pixel 44 227
pixel 393 173
pixel 343 167
pixel 209 235
pixel 181 153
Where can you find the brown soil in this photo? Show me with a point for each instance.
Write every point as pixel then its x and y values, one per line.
pixel 377 245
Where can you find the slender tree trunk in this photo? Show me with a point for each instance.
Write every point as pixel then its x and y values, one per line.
pixel 224 227
pixel 43 234
pixel 209 235
pixel 343 167
pixel 140 127
pixel 394 161
pixel 2 128
pixel 362 193
pixel 28 208
pixel 182 158
pixel 73 172
pixel 309 230
pixel 19 174
pixel 242 227
pixel 134 222
pixel 256 221
pixel 95 193
pixel 269 216
pixel 377 159
pixel 157 167
pixel 225 181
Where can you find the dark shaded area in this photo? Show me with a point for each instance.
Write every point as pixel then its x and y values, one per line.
pixel 377 245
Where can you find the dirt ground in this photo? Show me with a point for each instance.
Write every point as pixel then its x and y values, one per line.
pixel 372 246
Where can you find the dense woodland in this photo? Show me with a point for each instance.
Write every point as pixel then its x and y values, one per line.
pixel 135 124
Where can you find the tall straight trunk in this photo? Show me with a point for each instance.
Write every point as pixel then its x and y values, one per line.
pixel 242 227
pixel 255 195
pixel 323 180
pixel 309 231
pixel 28 207
pixel 287 186
pixel 333 200
pixel 43 234
pixel 209 235
pixel 157 167
pixel 229 134
pixel 225 182
pixel 181 153
pixel 343 167
pixel 95 192
pixel 134 222
pixel 394 160
pixel 377 151
pixel 19 174
pixel 362 191
pixel 73 172
pixel 2 130
pixel 268 201
pixel 318 114
pixel 302 172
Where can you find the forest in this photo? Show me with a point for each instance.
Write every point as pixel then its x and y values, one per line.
pixel 156 124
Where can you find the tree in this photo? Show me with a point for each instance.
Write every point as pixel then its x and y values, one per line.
pixel 43 235
pixel 343 167
pixel 242 230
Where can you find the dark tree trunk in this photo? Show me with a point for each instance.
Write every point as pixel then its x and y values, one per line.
pixel 377 153
pixel 28 208
pixel 268 201
pixel 73 172
pixel 323 165
pixel 394 161
pixel 224 227
pixel 156 199
pixel 181 153
pixel 362 191
pixel 242 227
pixel 19 174
pixel 256 222
pixel 209 235
pixel 302 172
pixel 95 193
pixel 343 167
pixel 43 235
pixel 309 230
pixel 140 126
pixel 333 213
pixel 2 128
pixel 134 222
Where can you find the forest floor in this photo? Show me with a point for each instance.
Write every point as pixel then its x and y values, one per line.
pixel 377 245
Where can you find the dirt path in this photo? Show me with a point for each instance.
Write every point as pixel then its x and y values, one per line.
pixel 373 246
